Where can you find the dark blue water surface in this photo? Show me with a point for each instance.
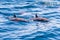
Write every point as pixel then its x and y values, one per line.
pixel 32 30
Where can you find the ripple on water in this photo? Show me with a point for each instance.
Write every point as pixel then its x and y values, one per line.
pixel 10 30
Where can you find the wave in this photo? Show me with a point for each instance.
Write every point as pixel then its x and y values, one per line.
pixel 11 30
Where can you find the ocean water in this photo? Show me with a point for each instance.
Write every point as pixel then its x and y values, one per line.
pixel 32 30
